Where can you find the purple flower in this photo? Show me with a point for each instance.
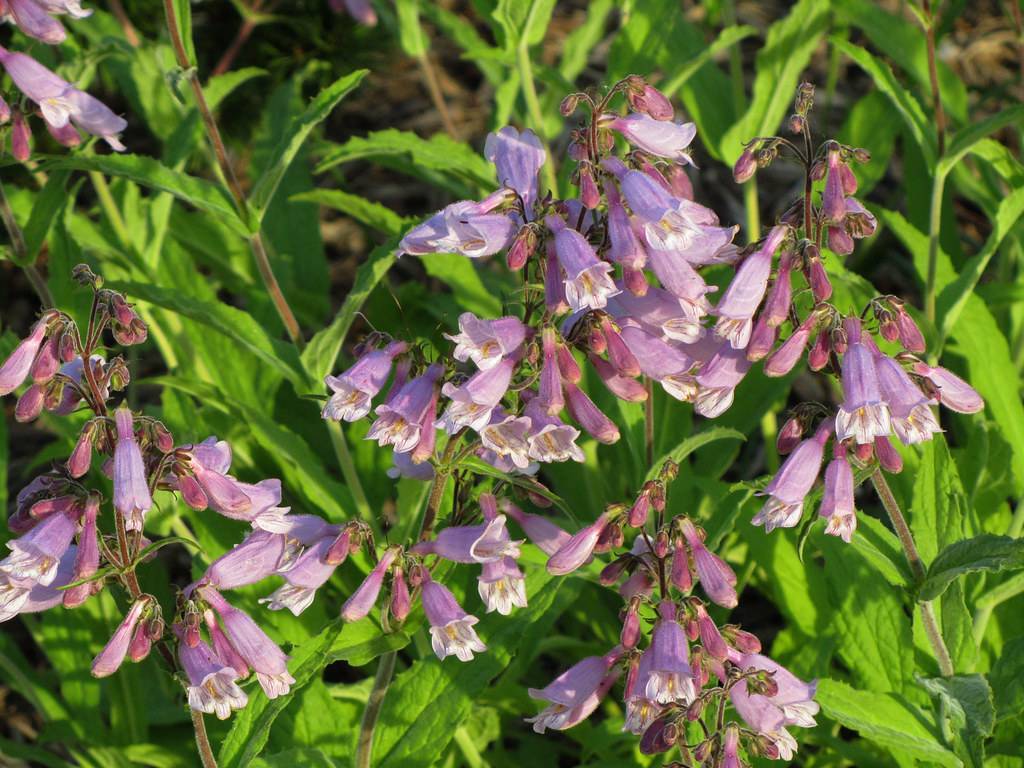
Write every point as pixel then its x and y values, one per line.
pixel 549 390
pixel 547 536
pixel 744 294
pixel 131 489
pixel 909 410
pixel 588 282
pixel 641 711
pixel 792 704
pixel 578 549
pixel 464 227
pixel 718 378
pixel 577 690
pixel 730 748
pixel 59 101
pixel 16 368
pixel 622 387
pixel 782 360
pixel 669 678
pixel 517 157
pixel 33 20
pixel 87 559
pixel 112 656
pixel 550 439
pixel 791 484
pixel 863 415
pixel 259 555
pixel 658 137
pixel 27 596
pixel 661 361
pixel 664 313
pixel 953 392
pixel 361 602
pixel 715 575
pixel 399 420
pixel 473 402
pixel 451 628
pixel 310 571
pixel 487 543
pixel 354 390
pixel 36 556
pixel 506 436
pixel 837 500
pixel 360 10
pixel 212 684
pixel 487 342
pixel 252 644
pixel 403 466
pixel 589 416
pixel 626 248
pixel 833 200
pixel 502 586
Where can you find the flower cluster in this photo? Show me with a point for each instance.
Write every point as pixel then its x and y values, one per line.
pixel 65 109
pixel 63 557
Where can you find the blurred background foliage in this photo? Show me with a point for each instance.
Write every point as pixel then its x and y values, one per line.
pixel 157 226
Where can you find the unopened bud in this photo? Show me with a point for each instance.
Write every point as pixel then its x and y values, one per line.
pixel 661 544
pixel 861 155
pixel 766 156
pixel 745 167
pixel 909 334
pixel 817 358
pixel 21 137
pixel 339 549
pixel 81 457
pixel 30 404
pixel 523 247
pixel 192 493
pixel 889 458
pixel 630 634
pixel 796 123
pixel 590 195
pixel 138 648
pixel 569 104
pixel 401 603
pixel 863 452
pixel 818 170
pixel 611 572
pixel 789 436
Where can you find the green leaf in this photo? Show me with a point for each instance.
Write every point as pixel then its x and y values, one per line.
pixel 691 444
pixel 307 757
pixel 940 506
pixel 146 171
pixel 966 138
pixel 951 301
pixel 337 642
pixel 222 86
pixel 233 323
pixel 428 701
pixel 526 482
pixel 292 141
pixel 727 38
pixel 958 628
pixel 986 552
pixel 787 49
pixel 1007 679
pixel 45 208
pixel 880 547
pixel 886 719
pixel 440 153
pixel 459 273
pixel 966 703
pixel 322 351
pixel 367 212
pixel 523 22
pixel 410 35
pixel 904 102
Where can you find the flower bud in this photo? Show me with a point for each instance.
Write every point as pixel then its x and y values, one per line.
pixel 630 634
pixel 569 104
pixel 909 334
pixel 789 436
pixel 141 642
pixel 590 195
pixel 611 572
pixel 523 247
pixel 81 457
pixel 192 493
pixel 163 438
pixel 30 404
pixel 888 457
pixel 67 348
pixel 864 452
pixel 817 358
pixel 661 544
pixel 745 167
pixel 21 137
pixel 681 575
pixel 796 123
pixel 401 603
pixel 861 155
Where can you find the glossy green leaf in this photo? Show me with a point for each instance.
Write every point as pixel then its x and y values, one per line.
pixel 987 552
pixel 966 704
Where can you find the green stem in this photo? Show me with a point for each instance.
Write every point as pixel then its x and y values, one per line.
pixel 202 740
pixel 934 226
pixel 109 206
pixel 381 682
pixel 348 469
pixel 17 238
pixel 536 116
pixel 899 524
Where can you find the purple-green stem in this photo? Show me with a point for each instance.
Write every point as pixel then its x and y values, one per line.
pixel 917 570
pixel 202 740
pixel 17 238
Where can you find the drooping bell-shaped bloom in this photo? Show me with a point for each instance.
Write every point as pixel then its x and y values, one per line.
pixel 550 394
pixel 730 748
pixel 473 403
pixel 791 484
pixel 792 704
pixel 833 200
pixel 260 652
pixel 664 313
pixel 259 555
pixel 399 420
pixel 213 686
pixel 209 462
pixel 487 543
pixel 711 639
pixel 909 410
pixel 547 536
pixel 650 101
pixel 550 439
pixel 669 677
pixel 16 368
pixel 517 157
pixel 744 294
pixel 837 499
pixel 578 549
pixel 32 19
pixel 466 227
pixel 589 416
pixel 622 387
pixel 718 378
pixel 487 342
pixel 403 466
pixel 354 390
pixel 953 392
pixel 658 137
pixel 25 596
pixel 59 101
pixel 361 602
pixel 781 361
pixel 502 586
pixel 714 574
pixel 112 656
pixel 571 690
pixel 588 282
pixel 87 560
pixel 132 498
pixel 641 711
pixel 626 248
pixel 310 571
pixel 506 436
pixel 36 556
pixel 451 628
pixel 661 361
pixel 863 415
